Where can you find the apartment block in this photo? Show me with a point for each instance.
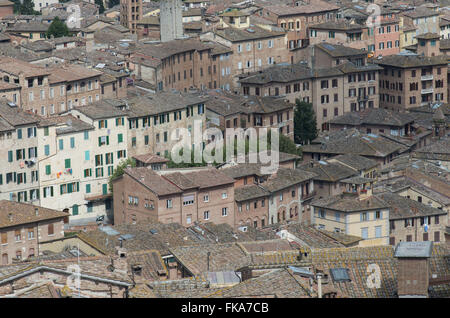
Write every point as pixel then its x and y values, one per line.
pixel 412 221
pixel 348 84
pixel 154 121
pixel 297 19
pixel 253 48
pixel 87 152
pixel 48 91
pixel 386 35
pixel 412 80
pixel 167 196
pixel 24 227
pixel 362 215
pixel 225 110
pixel 19 177
pixel 184 64
pixel 265 199
pixel 341 32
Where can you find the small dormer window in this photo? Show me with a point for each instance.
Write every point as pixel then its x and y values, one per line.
pixel 137 269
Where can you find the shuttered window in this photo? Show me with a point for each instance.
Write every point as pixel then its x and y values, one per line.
pixel 4 238
pixel 51 229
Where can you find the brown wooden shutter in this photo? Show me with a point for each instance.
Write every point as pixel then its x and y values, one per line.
pixel 50 229
pixel 4 237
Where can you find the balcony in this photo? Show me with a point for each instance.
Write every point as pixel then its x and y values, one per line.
pixel 426 77
pixel 309 195
pixel 362 98
pixel 427 91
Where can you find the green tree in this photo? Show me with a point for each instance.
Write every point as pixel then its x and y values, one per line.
pixel 24 7
pixel 57 28
pixel 101 8
pixel 112 3
pixel 305 124
pixel 119 170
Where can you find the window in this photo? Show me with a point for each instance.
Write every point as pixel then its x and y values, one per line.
pixel 4 238
pixel 50 229
pixel 206 215
pixel 322 214
pixel 377 231
pixel 75 209
pixel 169 203
pixel 224 195
pixel 365 233
pixel 188 200
pixel 17 236
pixel 30 234
pixel 224 211
pixel 364 217
pixel 378 215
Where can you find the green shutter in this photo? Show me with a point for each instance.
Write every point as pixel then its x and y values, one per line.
pixel 67 163
pixel 10 156
pixel 88 188
pixel 105 188
pixel 106 123
pixel 51 190
pixel 120 138
pixel 48 169
pixel 69 188
pixel 61 189
pixel 72 142
pixel 99 141
pixel 75 209
pixel 107 140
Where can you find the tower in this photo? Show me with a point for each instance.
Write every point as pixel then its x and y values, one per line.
pixel 171 20
pixel 439 123
pixel 130 13
pixel 428 44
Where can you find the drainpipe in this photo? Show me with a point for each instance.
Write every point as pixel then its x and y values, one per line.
pixel 319 285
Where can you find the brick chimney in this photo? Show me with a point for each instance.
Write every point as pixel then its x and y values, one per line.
pixel 413 268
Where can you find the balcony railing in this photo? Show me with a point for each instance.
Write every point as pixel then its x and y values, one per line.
pixel 427 91
pixel 363 98
pixel 427 77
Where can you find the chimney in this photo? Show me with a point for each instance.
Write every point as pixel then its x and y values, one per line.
pixel 319 285
pixel 413 269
